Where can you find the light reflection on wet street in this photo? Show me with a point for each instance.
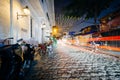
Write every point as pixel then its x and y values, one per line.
pixel 71 63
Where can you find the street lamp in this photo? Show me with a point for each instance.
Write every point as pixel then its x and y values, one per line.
pixel 26 13
pixel 43 26
pixel 54 30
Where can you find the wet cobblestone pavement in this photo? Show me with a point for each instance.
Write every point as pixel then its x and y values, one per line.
pixel 70 63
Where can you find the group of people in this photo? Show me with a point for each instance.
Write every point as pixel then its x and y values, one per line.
pixel 47 47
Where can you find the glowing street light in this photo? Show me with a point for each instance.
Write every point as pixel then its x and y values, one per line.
pixel 26 13
pixel 54 30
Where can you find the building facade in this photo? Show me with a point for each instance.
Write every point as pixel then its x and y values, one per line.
pixel 36 25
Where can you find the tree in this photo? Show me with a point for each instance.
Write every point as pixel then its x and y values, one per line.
pixel 90 8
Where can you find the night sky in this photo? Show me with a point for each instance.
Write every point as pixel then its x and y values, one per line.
pixel 59 4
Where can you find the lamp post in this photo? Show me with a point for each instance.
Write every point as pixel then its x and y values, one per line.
pixel 55 30
pixel 43 26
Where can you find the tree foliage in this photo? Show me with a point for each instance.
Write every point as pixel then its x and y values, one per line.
pixel 90 8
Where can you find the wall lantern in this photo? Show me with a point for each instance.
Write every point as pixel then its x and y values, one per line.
pixel 43 25
pixel 26 13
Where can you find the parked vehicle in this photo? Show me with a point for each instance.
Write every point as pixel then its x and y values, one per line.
pixel 13 60
pixel 10 61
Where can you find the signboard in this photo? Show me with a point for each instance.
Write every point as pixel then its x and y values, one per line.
pixel 72 33
pixel 24 30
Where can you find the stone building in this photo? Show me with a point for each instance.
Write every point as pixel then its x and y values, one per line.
pixel 36 25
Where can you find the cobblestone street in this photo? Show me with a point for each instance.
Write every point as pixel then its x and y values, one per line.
pixel 71 63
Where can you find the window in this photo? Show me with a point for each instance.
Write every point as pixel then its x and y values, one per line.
pixel 47 16
pixel 42 1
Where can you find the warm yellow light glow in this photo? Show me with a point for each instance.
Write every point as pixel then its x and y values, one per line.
pixel 55 30
pixel 26 11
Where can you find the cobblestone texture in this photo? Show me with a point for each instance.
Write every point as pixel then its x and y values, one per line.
pixel 70 63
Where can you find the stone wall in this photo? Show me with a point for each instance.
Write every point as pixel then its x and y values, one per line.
pixel 4 18
pixel 20 27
